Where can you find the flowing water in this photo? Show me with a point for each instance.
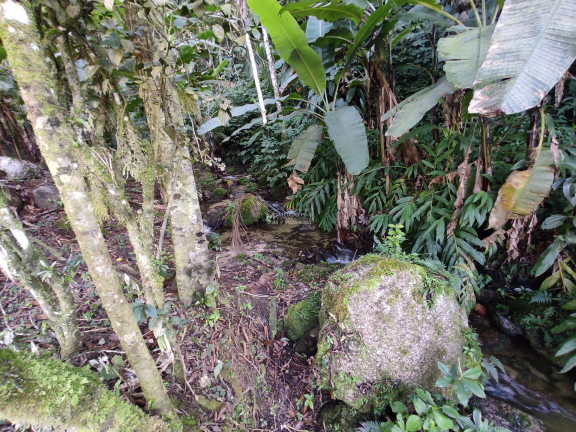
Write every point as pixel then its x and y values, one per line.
pixel 535 386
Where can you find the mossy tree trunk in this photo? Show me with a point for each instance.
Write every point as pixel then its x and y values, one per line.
pixel 44 392
pixel 194 270
pixel 57 142
pixel 21 261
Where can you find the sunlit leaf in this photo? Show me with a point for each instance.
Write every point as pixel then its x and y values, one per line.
pixel 348 133
pixel 464 53
pixel 534 43
pixel 303 148
pixel 316 28
pixel 567 347
pixel 523 191
pixel 411 110
pixel 328 11
pixel 290 41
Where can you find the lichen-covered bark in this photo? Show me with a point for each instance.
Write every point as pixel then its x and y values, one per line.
pixel 46 393
pixel 21 262
pixel 194 270
pixel 56 142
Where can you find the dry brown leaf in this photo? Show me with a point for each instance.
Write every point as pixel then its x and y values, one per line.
pixel 496 236
pixel 295 182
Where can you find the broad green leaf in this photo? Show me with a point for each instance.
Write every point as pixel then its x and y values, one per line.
pixel 328 11
pixel 473 387
pixel 290 41
pixel 316 28
pixel 548 258
pixel 523 191
pixel 534 43
pixel 553 221
pixel 568 346
pixel 347 131
pixel 421 12
pixel 419 405
pixel 410 111
pixel 462 394
pixel 303 148
pixel 413 423
pixel 450 411
pixel 568 324
pixel 570 364
pixel 473 373
pixel 398 407
pixel 446 370
pixel 444 381
pixel 464 53
pixel 443 421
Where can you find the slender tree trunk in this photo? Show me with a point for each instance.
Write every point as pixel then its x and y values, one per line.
pixel 194 270
pixel 56 139
pixel 271 69
pixel 20 260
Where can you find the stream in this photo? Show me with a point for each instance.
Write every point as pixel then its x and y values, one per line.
pixel 534 385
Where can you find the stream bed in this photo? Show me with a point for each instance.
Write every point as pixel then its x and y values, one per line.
pixel 534 385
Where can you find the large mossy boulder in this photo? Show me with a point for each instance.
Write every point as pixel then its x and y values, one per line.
pixel 384 326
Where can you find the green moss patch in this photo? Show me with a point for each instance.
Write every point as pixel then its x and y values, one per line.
pixel 302 316
pixel 252 210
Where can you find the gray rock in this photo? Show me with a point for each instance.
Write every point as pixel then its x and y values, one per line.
pixel 46 197
pixel 384 326
pixel 506 326
pixel 505 415
pixel 16 169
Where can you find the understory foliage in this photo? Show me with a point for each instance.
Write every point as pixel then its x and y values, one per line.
pixel 430 411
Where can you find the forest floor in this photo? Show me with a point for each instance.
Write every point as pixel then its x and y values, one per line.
pixel 241 373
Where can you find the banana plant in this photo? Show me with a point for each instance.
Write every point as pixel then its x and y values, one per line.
pixel 343 123
pixel 510 65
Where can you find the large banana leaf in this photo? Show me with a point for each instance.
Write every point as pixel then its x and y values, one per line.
pixel 411 110
pixel 316 28
pixel 303 148
pixel 290 41
pixel 326 11
pixel 523 191
pixel 464 53
pixel 347 130
pixel 533 45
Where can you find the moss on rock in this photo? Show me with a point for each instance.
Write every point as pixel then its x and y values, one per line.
pixel 302 316
pixel 218 194
pixel 252 210
pixel 385 324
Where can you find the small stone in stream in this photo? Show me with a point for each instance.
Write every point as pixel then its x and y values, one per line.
pixel 306 227
pixel 508 327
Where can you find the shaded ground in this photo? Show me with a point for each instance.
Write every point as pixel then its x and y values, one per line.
pixel 241 373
